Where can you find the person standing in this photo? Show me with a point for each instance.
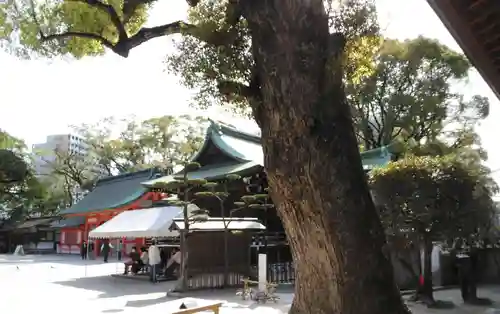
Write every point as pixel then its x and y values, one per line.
pixel 106 247
pixel 154 261
pixel 83 250
pixel 464 269
pixel 91 249
pixel 119 250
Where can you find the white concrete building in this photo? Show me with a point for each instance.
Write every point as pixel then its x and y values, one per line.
pixel 45 154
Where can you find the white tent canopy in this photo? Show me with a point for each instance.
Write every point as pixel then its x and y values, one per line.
pixel 219 224
pixel 143 223
pixel 158 222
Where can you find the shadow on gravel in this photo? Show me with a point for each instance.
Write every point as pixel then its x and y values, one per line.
pixel 112 287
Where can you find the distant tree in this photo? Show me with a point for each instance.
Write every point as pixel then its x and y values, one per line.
pixel 70 174
pixel 20 190
pixel 161 141
pixel 426 199
pixel 409 96
pixel 13 166
pixel 12 143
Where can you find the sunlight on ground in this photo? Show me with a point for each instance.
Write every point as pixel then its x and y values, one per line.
pixel 65 284
pixel 61 283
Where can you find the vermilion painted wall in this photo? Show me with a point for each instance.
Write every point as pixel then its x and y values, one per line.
pixel 93 220
pixel 70 240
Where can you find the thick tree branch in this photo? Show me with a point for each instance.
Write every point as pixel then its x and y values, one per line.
pixel 107 8
pixel 234 89
pixel 125 43
pixel 10 181
pixel 382 111
pixel 250 93
pixel 113 15
pixel 147 33
pixel 64 35
pixel 192 3
pixel 233 12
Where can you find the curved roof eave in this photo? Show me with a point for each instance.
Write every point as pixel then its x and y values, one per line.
pixel 204 146
pixel 251 149
pixel 219 142
pixel 216 132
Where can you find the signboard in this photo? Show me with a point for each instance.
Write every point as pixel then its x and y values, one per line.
pixel 145 203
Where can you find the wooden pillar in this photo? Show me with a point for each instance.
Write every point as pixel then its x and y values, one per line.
pixel 184 251
pixel 86 230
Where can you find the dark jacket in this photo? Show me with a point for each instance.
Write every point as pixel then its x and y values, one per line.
pixel 135 256
pixel 105 248
pixel 83 248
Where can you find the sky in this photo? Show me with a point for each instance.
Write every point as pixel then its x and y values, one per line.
pixel 41 98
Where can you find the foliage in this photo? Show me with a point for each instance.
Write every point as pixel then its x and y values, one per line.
pixel 426 199
pixel 86 27
pixel 69 174
pixel 155 142
pixel 160 141
pixel 409 96
pixel 399 91
pixel 75 168
pixel 184 187
pixel 29 27
pixel 10 142
pixel 206 68
pixel 13 168
pixel 435 197
pixel 21 193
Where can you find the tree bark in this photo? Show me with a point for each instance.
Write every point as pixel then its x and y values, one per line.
pixel 409 268
pixel 313 163
pixel 425 292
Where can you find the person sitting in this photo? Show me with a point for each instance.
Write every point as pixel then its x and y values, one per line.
pixel 135 258
pixel 143 260
pixel 144 256
pixel 173 263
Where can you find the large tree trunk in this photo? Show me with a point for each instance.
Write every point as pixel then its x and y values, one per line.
pixel 313 163
pixel 425 292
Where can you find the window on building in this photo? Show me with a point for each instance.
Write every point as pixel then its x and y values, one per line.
pixel 49 236
pixel 71 237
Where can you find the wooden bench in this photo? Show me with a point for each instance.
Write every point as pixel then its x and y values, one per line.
pixel 214 307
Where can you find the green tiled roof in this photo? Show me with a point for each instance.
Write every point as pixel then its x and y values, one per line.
pixel 246 151
pixel 213 172
pixel 30 223
pixel 244 147
pixel 114 192
pixel 68 222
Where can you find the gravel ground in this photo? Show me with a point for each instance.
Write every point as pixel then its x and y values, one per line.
pixel 61 283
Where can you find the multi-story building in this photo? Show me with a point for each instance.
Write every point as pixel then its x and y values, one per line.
pixel 45 154
pixel 66 146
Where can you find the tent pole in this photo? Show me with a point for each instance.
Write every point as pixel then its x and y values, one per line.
pixel 87 255
pixel 117 243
